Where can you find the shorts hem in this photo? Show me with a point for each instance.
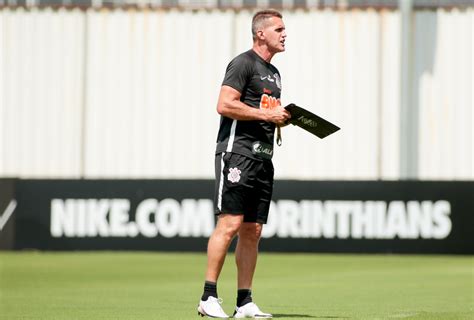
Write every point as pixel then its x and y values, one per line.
pixel 218 212
pixel 239 213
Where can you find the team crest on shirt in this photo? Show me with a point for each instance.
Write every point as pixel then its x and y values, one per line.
pixel 234 175
pixel 277 80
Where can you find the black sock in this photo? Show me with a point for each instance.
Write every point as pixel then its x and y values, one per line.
pixel 210 290
pixel 244 296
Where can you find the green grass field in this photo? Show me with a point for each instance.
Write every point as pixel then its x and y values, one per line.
pixel 109 285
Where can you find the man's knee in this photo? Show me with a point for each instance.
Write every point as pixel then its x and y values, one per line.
pixel 228 225
pixel 250 231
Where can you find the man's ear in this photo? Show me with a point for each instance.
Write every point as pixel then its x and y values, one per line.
pixel 260 35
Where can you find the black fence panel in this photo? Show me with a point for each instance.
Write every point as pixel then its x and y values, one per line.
pixel 178 215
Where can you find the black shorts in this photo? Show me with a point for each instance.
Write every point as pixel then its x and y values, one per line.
pixel 243 186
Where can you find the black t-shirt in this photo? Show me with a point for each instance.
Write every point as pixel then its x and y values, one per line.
pixel 259 84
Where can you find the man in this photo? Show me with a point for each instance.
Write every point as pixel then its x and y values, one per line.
pixel 249 104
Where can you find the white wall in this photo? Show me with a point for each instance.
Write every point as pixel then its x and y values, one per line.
pixel 152 83
pixel 42 97
pixel 444 72
pixel 132 94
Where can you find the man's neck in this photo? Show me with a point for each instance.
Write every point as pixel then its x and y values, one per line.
pixel 263 52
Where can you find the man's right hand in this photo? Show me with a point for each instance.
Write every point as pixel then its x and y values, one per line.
pixel 278 115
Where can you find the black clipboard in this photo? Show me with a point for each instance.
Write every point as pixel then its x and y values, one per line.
pixel 310 122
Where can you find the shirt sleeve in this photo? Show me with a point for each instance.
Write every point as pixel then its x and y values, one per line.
pixel 238 73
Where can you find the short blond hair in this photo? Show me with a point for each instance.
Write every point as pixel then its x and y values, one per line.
pixel 260 17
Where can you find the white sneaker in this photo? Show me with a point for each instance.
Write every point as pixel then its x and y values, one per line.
pixel 250 310
pixel 211 308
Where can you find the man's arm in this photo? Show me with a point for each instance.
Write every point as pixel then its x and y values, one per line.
pixel 229 105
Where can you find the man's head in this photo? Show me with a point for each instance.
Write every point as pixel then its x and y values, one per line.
pixel 268 27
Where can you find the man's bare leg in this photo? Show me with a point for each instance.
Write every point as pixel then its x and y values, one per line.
pixel 246 253
pixel 246 258
pixel 227 227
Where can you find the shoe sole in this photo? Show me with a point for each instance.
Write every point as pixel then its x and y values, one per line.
pixel 254 317
pixel 203 314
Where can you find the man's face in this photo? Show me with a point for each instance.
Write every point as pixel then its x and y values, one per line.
pixel 275 34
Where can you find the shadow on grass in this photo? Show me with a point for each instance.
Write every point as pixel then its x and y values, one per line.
pixel 282 315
